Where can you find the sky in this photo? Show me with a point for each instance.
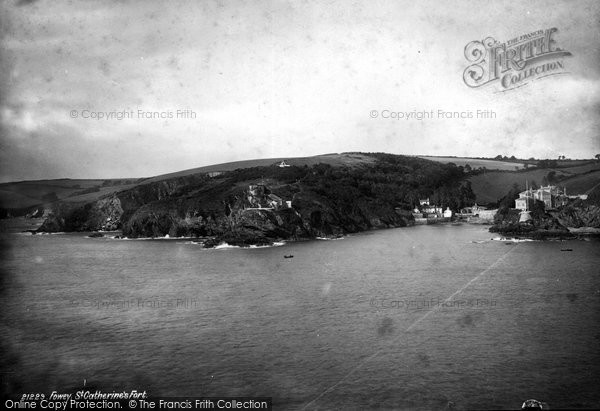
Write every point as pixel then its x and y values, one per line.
pixel 265 79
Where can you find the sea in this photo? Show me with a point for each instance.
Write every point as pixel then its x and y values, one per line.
pixel 424 317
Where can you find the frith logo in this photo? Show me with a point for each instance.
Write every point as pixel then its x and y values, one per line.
pixel 515 62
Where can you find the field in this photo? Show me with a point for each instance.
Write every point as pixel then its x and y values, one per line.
pixel 29 193
pixel 491 186
pixel 578 176
pixel 478 162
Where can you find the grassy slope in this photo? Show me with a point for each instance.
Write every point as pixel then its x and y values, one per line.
pixel 331 159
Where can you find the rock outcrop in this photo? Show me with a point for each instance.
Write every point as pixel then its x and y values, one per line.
pixel 238 221
pixel 555 223
pixel 579 215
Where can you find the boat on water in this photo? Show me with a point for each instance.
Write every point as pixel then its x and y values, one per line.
pixel 288 256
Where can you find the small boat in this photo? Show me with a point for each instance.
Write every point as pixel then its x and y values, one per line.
pixel 288 256
pixel 566 249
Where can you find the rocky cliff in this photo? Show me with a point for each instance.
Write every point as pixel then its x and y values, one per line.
pixel 579 214
pixel 263 204
pixel 109 212
pixel 548 224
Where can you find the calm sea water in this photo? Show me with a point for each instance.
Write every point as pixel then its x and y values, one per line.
pixel 356 323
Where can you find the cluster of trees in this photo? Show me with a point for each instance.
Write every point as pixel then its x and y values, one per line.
pixel 547 164
pixel 500 157
pixel 394 180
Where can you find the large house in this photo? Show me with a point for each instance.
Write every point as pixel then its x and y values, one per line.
pixel 429 209
pixel 525 200
pixel 551 196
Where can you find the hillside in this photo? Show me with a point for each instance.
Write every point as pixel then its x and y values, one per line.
pixel 255 205
pixel 19 197
pixel 490 186
pixel 492 179
pixel 336 160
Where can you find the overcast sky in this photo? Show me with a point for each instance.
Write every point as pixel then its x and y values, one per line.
pixel 278 79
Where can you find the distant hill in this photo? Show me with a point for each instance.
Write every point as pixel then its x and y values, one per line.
pixel 25 194
pixel 579 176
pixel 504 165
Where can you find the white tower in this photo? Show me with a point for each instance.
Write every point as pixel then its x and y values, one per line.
pixel 525 215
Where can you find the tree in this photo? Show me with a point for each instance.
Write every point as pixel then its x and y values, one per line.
pixel 547 163
pixel 538 209
pixel 508 201
pixel 467 196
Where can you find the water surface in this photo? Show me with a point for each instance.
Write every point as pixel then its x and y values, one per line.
pixel 355 323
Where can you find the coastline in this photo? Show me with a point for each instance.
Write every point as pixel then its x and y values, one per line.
pixel 25 225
